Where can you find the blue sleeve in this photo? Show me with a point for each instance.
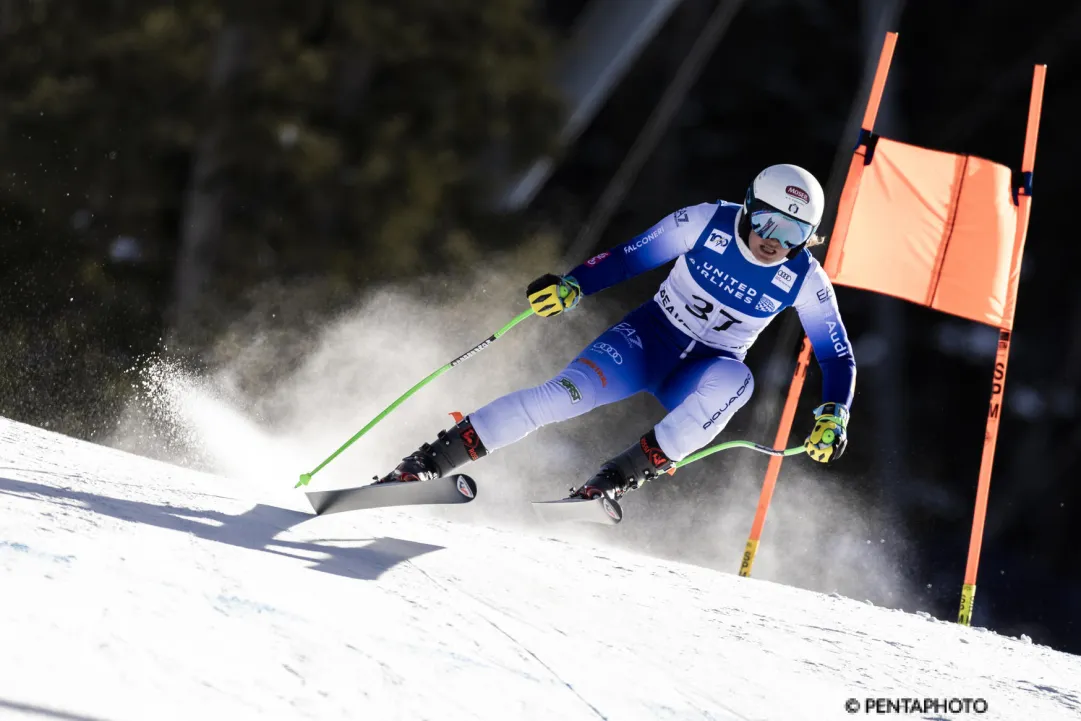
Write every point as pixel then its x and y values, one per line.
pixel 667 240
pixel 816 304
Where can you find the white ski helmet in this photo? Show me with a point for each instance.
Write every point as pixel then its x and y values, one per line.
pixel 785 203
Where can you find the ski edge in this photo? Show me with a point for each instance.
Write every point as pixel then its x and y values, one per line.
pixel 603 510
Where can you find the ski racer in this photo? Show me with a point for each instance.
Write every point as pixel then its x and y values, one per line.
pixel 737 266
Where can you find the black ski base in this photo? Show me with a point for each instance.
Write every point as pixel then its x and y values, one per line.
pixel 603 510
pixel 439 491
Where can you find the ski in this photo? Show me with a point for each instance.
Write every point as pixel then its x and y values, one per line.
pixel 452 489
pixel 602 510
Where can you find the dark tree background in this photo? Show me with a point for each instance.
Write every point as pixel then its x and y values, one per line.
pixel 160 160
pixel 163 162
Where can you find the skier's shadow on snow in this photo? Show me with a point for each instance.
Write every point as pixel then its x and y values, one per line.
pixel 256 529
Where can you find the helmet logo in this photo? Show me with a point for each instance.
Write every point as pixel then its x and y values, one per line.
pixel 798 193
pixel 793 208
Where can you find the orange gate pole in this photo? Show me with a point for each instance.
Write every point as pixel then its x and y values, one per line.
pixel 1024 202
pixel 844 213
pixel 774 468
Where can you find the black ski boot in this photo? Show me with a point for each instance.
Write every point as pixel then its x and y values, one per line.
pixel 629 470
pixel 454 447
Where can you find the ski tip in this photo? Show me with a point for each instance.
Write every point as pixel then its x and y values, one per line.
pixel 465 485
pixel 612 508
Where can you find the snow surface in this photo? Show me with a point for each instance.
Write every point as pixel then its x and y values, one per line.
pixel 132 589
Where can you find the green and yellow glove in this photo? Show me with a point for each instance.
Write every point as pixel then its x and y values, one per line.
pixel 552 294
pixel 828 439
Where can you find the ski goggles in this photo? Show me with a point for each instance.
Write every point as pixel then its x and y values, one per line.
pixel 771 223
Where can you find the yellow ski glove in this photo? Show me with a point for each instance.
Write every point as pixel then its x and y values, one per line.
pixel 552 294
pixel 828 439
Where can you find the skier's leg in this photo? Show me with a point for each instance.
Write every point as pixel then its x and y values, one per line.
pixel 613 367
pixel 701 396
pixel 607 370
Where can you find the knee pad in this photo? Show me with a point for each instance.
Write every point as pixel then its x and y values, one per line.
pixel 721 396
pixel 721 391
pixel 569 394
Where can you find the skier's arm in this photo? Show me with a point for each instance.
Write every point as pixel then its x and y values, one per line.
pixel 821 318
pixel 816 304
pixel 675 235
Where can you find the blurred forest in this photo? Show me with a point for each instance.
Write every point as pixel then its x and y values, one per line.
pixel 162 161
pixel 166 164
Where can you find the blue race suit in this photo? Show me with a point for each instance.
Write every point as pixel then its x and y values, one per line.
pixel 686 346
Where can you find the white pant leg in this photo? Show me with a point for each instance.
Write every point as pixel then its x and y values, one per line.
pixel 516 415
pixel 723 389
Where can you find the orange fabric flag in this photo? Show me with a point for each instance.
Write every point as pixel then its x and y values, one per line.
pixel 933 228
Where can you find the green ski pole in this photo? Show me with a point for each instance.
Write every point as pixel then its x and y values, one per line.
pixel 305 478
pixel 739 444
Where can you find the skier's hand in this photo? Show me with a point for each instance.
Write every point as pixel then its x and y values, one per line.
pixel 552 294
pixel 828 439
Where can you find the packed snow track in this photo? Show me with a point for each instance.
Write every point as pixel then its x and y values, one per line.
pixel 135 590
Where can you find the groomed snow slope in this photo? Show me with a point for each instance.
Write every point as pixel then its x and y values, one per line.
pixel 131 589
